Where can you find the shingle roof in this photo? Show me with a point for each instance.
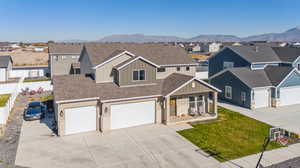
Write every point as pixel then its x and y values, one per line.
pixel 70 87
pixel 267 53
pixel 4 61
pixel 277 74
pixel 252 78
pixel 161 54
pixel 68 48
pixel 270 76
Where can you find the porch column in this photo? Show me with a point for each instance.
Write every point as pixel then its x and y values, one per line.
pixel 215 102
pixel 207 106
pixel 167 110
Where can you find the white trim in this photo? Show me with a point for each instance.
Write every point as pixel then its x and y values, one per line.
pixel 52 54
pixel 271 62
pixel 131 98
pixel 139 57
pixel 76 100
pixel 114 57
pixel 194 78
pixel 264 87
pixel 174 65
pixel 296 60
pixel 287 76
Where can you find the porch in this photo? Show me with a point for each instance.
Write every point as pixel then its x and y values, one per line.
pixel 191 107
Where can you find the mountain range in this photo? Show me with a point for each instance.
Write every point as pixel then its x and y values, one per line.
pixel 291 35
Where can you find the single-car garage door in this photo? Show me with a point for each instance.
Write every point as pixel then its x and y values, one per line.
pixel 261 98
pixel 81 119
pixel 132 114
pixel 289 96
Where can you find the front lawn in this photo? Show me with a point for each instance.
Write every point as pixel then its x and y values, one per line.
pixel 231 136
pixel 37 80
pixel 3 99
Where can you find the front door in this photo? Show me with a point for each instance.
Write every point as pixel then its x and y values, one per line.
pixel 173 107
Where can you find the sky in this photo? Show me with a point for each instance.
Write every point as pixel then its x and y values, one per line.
pixel 43 20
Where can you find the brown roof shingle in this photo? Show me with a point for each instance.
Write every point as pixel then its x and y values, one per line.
pixel 68 48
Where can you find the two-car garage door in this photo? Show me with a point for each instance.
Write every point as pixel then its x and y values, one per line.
pixel 132 114
pixel 289 96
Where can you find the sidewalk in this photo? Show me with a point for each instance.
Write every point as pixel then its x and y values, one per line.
pixel 270 157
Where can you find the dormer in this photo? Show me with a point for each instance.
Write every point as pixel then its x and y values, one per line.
pixel 136 70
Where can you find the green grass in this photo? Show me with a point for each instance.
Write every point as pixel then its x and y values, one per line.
pixel 231 136
pixel 42 98
pixel 3 99
pixel 37 80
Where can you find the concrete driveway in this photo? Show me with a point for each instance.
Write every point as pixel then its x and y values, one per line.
pixel 287 117
pixel 145 146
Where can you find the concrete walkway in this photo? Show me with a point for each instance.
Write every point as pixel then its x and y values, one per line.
pixel 270 158
pixel 287 117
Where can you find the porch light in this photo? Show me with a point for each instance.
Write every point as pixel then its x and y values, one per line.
pixel 61 114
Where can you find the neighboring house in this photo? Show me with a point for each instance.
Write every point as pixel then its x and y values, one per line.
pixel 214 47
pixel 256 77
pixel 255 57
pixel 29 71
pixel 62 56
pixel 125 84
pixel 39 49
pixel 5 47
pixel 273 86
pixel 5 67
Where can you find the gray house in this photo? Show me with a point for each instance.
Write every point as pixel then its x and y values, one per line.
pixel 63 58
pixel 5 67
pixel 127 84
pixel 256 77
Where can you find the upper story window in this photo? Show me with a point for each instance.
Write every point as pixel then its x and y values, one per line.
pixel 138 75
pixel 55 58
pixel 228 92
pixel 63 57
pixel 161 69
pixel 74 57
pixel 228 65
pixel 187 68
pixel 178 68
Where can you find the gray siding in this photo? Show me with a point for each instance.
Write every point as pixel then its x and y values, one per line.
pixel 125 74
pixel 85 64
pixel 216 62
pixel 188 89
pixel 228 79
pixel 292 80
pixel 62 66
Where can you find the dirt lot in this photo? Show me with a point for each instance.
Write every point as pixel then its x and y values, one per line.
pixel 23 58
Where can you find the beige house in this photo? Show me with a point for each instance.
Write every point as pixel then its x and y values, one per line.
pixel 124 84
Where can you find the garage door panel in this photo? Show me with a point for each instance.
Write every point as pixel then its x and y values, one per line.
pixel 78 120
pixel 261 98
pixel 132 114
pixel 289 96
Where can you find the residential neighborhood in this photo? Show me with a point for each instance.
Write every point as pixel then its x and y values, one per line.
pixel 100 85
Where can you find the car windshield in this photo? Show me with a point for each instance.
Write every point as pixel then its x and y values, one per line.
pixel 34 109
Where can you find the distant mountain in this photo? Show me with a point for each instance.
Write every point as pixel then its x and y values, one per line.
pixel 215 38
pixel 139 38
pixel 291 35
pixel 72 41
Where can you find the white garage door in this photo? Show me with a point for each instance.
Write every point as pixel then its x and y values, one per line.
pixel 261 98
pixel 2 74
pixel 132 114
pixel 289 96
pixel 81 119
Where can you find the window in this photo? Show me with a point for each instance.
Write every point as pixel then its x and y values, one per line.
pixel 228 65
pixel 228 92
pixel 187 68
pixel 55 58
pixel 193 84
pixel 298 66
pixel 73 56
pixel 138 75
pixel 63 57
pixel 243 97
pixel 178 68
pixel 161 69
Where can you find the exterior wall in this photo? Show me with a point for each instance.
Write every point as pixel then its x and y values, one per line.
pixel 182 105
pixel 189 89
pixel 62 66
pixel 106 112
pixel 28 72
pixel 60 116
pixel 216 62
pixel 126 76
pixel 104 72
pixel 3 74
pixel 170 70
pixel 85 64
pixel 292 80
pixel 228 79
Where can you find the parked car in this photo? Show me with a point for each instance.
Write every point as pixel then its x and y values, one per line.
pixel 35 110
